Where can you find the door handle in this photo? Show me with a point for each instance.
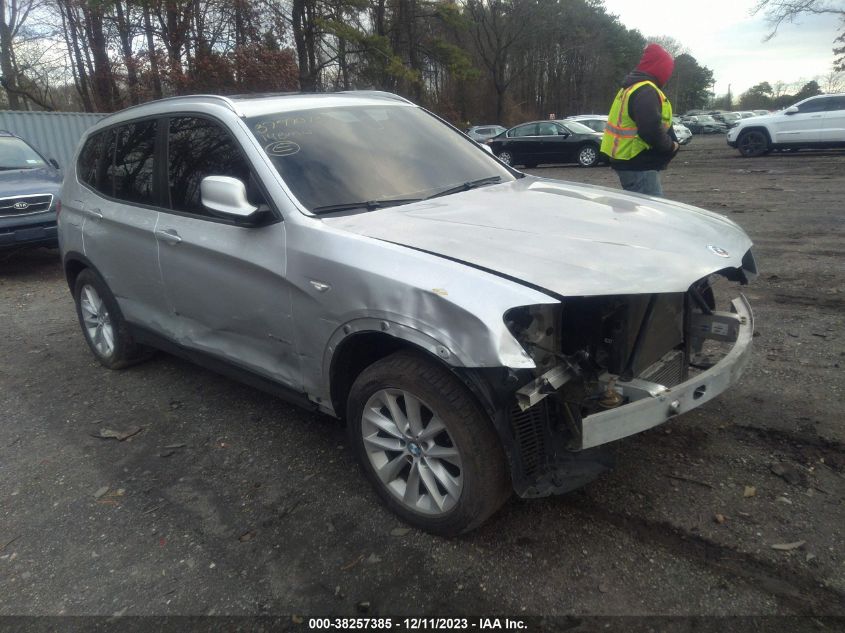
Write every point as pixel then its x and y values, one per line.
pixel 170 236
pixel 95 213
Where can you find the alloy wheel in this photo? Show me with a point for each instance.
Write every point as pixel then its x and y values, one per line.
pixel 412 452
pixel 97 321
pixel 587 156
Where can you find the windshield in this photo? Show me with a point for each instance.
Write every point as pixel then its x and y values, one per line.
pixel 15 154
pixel 578 128
pixel 360 156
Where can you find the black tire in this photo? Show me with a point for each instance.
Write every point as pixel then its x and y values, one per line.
pixel 588 155
pixel 753 143
pixel 123 351
pixel 485 481
pixel 507 157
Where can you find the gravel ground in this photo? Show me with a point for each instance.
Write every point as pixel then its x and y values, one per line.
pixel 228 501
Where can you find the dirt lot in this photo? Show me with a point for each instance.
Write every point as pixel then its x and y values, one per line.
pixel 229 501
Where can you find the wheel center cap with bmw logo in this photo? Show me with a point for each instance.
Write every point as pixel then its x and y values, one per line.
pixel 414 449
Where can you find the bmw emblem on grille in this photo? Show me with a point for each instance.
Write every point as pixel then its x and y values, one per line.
pixel 21 205
pixel 716 250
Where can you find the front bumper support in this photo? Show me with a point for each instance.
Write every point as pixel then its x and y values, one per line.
pixel 661 404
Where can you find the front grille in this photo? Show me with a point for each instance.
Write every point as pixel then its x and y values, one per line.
pixel 668 371
pixel 25 205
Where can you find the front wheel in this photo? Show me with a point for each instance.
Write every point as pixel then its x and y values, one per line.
pixel 506 157
pixel 588 155
pixel 427 447
pixel 752 144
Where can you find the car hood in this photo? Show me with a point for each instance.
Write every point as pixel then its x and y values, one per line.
pixel 20 182
pixel 567 238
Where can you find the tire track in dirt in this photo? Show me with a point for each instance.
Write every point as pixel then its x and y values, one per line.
pixel 797 591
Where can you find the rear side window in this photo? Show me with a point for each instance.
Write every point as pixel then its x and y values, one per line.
pixel 89 159
pixel 198 148
pixel 95 162
pixel 814 105
pixel 134 162
pixel 523 130
pixel 103 181
pixel 835 103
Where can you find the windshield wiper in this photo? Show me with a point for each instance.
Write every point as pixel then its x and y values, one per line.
pixel 466 186
pixel 369 205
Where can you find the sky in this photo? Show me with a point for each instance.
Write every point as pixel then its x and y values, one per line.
pixel 725 37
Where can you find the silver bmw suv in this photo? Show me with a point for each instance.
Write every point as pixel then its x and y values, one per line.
pixel 480 331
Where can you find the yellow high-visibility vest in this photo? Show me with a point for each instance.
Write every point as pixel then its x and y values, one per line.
pixel 621 140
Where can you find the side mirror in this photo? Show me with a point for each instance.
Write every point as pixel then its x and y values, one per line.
pixel 226 195
pixel 791 110
pixel 54 162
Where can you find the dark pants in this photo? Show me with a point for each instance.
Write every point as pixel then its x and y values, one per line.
pixel 647 182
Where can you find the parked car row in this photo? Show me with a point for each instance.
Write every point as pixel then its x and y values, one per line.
pixel 816 122
pixel 575 139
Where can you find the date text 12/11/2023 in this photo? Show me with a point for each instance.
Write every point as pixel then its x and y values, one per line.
pixel 414 624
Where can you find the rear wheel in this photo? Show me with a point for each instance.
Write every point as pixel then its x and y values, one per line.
pixel 102 324
pixel 427 447
pixel 752 144
pixel 588 155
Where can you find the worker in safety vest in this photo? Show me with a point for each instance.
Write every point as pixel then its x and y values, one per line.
pixel 639 137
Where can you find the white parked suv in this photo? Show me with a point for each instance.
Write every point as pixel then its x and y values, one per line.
pixel 814 122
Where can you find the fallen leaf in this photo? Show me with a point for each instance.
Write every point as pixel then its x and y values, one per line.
pixel 120 436
pixel 750 491
pixel 246 536
pixel 785 547
pixel 400 531
pixel 719 518
pixel 101 491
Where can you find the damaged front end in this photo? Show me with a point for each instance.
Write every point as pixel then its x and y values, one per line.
pixel 611 366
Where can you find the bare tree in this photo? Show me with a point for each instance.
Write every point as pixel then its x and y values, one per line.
pixel 13 16
pixel 779 11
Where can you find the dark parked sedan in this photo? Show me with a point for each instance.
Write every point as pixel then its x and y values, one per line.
pixel 705 124
pixel 29 195
pixel 531 144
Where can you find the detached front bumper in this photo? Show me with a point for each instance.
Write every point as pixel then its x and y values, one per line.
pixel 656 404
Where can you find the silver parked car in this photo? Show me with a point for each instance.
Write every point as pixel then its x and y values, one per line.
pixel 480 330
pixel 483 133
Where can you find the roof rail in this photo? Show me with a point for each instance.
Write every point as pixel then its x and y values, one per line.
pixel 226 101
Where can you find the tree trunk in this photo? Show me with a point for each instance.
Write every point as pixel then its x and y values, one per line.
pixel 6 65
pixel 151 51
pixel 123 31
